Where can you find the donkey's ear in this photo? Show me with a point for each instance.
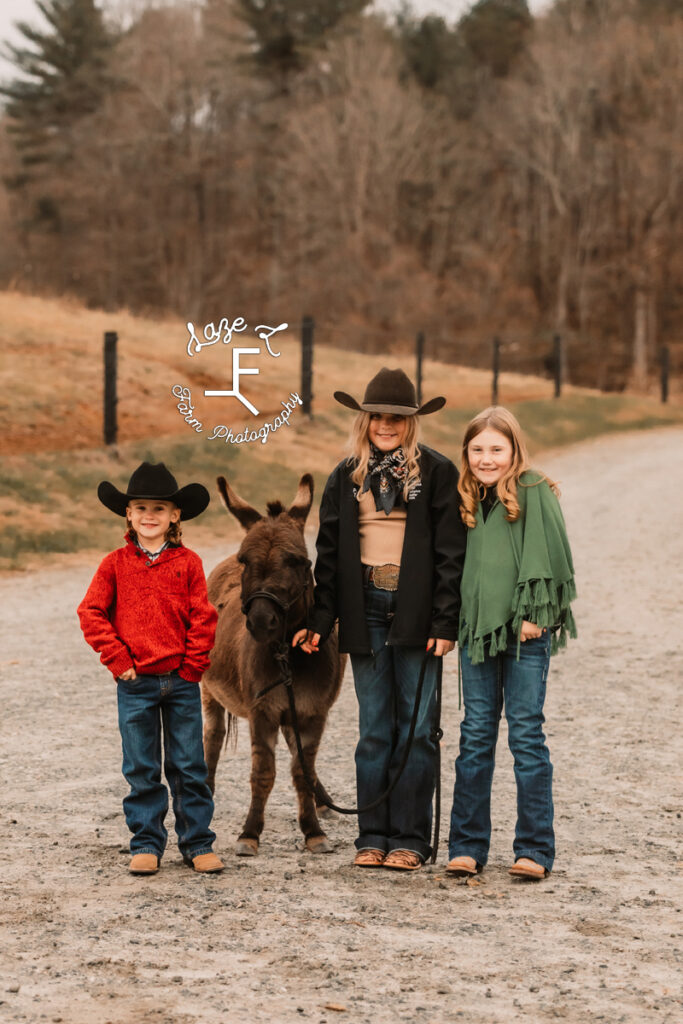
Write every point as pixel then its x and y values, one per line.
pixel 301 505
pixel 244 513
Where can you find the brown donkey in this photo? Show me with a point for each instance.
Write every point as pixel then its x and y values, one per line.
pixel 262 595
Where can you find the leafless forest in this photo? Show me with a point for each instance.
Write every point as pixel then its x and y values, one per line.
pixel 502 174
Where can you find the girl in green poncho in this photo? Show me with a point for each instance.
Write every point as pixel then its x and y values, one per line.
pixel 517 586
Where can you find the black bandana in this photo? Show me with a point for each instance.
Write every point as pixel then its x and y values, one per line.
pixel 387 472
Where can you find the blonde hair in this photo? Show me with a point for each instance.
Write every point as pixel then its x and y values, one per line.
pixel 496 417
pixel 359 448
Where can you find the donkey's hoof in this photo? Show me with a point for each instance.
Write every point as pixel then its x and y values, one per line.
pixel 246 847
pixel 319 844
pixel 327 813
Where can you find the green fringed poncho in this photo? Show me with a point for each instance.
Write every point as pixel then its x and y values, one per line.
pixel 517 571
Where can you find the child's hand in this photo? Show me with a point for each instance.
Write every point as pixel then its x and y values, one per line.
pixel 306 640
pixel 441 647
pixel 129 674
pixel 530 631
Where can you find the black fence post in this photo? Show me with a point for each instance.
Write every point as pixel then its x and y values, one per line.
pixel 557 364
pixel 307 327
pixel 110 399
pixel 419 352
pixel 496 371
pixel 665 364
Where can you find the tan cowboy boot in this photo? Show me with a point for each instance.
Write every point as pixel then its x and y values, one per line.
pixel 525 867
pixel 206 863
pixel 144 864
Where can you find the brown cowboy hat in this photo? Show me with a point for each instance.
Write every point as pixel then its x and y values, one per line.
pixel 390 391
pixel 150 481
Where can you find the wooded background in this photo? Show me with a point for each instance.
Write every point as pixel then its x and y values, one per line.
pixel 503 174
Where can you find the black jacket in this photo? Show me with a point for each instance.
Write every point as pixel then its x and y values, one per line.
pixel 428 596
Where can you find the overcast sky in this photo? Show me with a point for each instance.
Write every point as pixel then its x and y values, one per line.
pixel 26 10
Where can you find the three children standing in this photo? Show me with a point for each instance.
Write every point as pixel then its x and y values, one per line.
pixel 411 557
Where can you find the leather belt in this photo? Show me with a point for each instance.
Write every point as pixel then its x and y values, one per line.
pixel 384 577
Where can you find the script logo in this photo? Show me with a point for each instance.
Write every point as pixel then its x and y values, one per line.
pixel 212 334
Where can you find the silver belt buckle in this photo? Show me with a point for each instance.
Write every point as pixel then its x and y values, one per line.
pixel 385 577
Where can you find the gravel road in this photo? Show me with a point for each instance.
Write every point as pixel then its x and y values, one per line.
pixel 289 936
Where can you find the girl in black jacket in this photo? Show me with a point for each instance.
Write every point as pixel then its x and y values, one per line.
pixel 390 552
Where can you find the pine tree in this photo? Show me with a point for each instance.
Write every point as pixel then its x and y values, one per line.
pixel 64 78
pixel 430 47
pixel 450 61
pixel 284 30
pixel 495 32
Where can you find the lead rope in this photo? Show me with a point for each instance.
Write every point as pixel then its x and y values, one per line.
pixel 282 657
pixel 436 736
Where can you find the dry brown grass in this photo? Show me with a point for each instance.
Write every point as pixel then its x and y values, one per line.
pixel 52 454
pixel 51 376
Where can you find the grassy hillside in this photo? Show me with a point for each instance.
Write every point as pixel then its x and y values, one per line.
pixel 51 451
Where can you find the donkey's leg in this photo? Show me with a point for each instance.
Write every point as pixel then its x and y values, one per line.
pixel 263 740
pixel 311 730
pixel 321 796
pixel 213 714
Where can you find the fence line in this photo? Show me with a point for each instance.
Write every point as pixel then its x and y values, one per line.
pixel 110 398
pixel 555 362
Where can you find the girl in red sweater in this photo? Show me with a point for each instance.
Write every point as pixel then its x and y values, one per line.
pixel 148 616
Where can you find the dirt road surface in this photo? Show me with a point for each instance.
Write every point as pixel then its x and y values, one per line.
pixel 289 936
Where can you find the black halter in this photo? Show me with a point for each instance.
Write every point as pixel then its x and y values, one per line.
pixel 281 651
pixel 284 606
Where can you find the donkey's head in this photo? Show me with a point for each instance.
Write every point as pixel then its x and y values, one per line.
pixel 276 577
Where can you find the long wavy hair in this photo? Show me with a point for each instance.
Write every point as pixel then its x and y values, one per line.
pixel 471 491
pixel 359 451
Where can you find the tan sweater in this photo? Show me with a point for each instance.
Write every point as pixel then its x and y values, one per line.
pixel 381 536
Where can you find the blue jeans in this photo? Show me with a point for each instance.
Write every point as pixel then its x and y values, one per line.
pixel 520 685
pixel 386 684
pixel 145 705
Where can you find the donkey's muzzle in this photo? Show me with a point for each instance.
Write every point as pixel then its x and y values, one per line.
pixel 264 620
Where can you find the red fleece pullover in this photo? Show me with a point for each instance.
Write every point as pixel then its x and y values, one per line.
pixel 151 616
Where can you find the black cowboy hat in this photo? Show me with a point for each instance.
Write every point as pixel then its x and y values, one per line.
pixel 390 391
pixel 155 481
